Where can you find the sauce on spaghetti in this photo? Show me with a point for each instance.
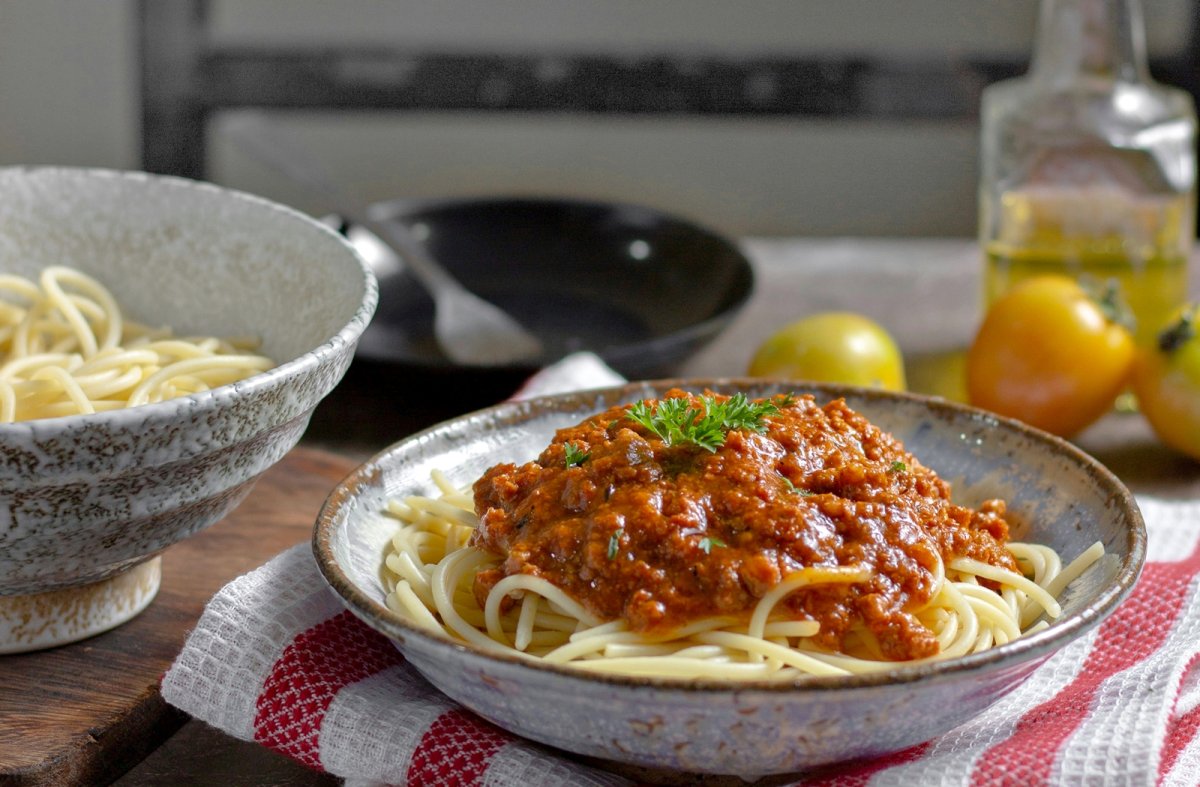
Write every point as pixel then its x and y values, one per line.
pixel 663 534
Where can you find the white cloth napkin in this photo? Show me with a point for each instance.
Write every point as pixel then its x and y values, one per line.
pixel 277 659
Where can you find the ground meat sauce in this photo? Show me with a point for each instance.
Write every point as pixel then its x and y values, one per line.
pixel 661 535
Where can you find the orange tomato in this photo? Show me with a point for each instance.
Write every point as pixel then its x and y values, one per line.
pixel 1166 379
pixel 1049 354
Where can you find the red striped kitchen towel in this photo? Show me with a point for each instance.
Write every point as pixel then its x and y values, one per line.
pixel 277 659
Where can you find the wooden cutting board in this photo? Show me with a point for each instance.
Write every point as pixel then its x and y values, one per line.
pixel 85 713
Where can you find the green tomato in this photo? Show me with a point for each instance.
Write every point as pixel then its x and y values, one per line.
pixel 832 347
pixel 1166 380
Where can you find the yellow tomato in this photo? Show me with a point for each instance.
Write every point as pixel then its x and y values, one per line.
pixel 1166 379
pixel 1048 354
pixel 832 347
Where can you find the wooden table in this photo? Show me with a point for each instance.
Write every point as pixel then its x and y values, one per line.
pixel 925 291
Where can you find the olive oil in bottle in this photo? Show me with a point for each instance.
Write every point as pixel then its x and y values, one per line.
pixel 1089 166
pixel 1136 243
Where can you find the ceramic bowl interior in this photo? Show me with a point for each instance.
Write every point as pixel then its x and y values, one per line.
pixel 86 497
pixel 580 275
pixel 1056 494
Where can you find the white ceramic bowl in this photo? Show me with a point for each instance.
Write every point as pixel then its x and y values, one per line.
pixel 1064 498
pixel 86 499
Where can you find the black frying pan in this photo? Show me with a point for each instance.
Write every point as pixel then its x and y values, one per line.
pixel 640 288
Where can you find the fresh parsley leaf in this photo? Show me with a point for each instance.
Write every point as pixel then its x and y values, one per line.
pixel 787 400
pixel 793 488
pixel 708 542
pixel 898 467
pixel 676 422
pixel 614 543
pixel 575 455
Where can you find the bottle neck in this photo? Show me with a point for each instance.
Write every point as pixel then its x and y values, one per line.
pixel 1100 40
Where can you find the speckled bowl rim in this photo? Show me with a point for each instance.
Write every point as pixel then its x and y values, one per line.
pixel 227 394
pixel 1019 651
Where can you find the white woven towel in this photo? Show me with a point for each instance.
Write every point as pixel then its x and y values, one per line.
pixel 277 659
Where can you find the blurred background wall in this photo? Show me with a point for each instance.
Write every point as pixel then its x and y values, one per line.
pixel 71 93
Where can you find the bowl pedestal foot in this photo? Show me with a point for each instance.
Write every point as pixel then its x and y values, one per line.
pixel 57 617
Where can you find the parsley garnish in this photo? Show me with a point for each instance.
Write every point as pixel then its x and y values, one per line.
pixel 898 467
pixel 575 456
pixel 708 542
pixel 793 488
pixel 675 421
pixel 614 543
pixel 787 399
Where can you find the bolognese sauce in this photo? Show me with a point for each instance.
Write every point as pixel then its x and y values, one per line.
pixel 659 532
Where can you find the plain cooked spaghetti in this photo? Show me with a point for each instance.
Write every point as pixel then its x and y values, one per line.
pixel 445 574
pixel 67 350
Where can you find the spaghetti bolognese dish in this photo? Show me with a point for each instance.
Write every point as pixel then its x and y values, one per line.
pixel 714 536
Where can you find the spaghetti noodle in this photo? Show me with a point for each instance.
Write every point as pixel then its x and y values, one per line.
pixel 66 349
pixel 445 573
